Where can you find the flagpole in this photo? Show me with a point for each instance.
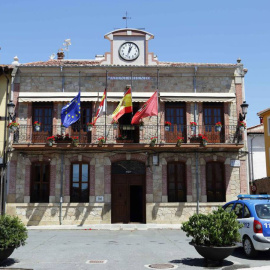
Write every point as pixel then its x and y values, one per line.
pixel 106 104
pixel 157 100
pixel 131 94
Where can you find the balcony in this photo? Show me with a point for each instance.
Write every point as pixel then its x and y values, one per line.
pixel 131 135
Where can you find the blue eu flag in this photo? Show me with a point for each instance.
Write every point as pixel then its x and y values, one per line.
pixel 71 112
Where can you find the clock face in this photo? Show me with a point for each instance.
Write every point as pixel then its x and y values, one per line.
pixel 129 51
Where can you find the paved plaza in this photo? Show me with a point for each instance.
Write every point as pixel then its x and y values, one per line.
pixel 117 250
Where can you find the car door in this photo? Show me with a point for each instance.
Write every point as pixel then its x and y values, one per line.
pixel 238 210
pixel 247 221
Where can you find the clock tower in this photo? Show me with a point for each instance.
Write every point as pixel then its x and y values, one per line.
pixel 129 47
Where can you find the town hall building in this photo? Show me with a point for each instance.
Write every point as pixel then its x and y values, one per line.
pixel 126 179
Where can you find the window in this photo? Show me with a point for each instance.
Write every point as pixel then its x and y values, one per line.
pixel 79 128
pixel 176 114
pixel 239 210
pixel 176 182
pixel 212 113
pixel 40 183
pixel 229 207
pixel 246 212
pixel 79 183
pixel 42 112
pixel 215 184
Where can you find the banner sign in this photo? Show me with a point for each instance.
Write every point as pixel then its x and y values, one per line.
pixel 131 78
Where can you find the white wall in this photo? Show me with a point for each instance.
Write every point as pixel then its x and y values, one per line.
pixel 258 147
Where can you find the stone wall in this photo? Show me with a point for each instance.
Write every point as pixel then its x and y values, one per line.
pixel 158 210
pixel 93 80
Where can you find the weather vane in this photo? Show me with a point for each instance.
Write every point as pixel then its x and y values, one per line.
pixel 126 18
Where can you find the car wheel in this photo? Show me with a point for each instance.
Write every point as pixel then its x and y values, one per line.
pixel 249 248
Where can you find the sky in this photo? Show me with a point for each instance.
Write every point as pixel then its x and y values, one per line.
pixel 194 31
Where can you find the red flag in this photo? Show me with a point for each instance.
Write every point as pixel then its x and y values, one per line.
pixel 101 108
pixel 149 108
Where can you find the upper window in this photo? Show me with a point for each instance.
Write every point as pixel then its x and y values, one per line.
pixel 79 128
pixel 215 184
pixel 79 189
pixel 176 182
pixel 213 113
pixel 42 112
pixel 176 114
pixel 40 183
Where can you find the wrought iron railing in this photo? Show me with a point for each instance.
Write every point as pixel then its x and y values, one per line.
pixel 131 134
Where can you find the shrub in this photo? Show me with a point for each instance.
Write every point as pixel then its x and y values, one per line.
pixel 219 228
pixel 13 232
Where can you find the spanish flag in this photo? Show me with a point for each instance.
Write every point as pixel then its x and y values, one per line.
pixel 125 106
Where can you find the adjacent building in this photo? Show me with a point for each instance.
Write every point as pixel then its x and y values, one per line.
pixel 125 179
pixel 5 83
pixel 256 149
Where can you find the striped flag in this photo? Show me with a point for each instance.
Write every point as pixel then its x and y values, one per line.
pixel 125 106
pixel 102 107
pixel 149 108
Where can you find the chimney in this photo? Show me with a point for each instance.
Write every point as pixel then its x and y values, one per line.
pixel 60 55
pixel 261 120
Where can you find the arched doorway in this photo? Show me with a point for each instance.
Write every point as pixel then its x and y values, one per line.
pixel 128 192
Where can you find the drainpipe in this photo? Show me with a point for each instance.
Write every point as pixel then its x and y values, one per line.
pixel 196 154
pixel 62 158
pixel 61 188
pixel 251 157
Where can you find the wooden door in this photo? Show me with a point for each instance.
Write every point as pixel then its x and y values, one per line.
pixel 128 198
pixel 213 113
pixel 42 112
pixel 79 128
pixel 176 114
pixel 119 198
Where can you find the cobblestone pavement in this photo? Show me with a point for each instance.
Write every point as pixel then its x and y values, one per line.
pixel 120 249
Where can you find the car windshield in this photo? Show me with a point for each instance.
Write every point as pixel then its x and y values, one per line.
pixel 263 210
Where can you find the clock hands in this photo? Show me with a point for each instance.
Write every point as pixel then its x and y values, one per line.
pixel 130 47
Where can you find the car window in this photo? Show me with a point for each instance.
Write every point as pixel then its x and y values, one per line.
pixel 246 212
pixel 239 210
pixel 228 207
pixel 263 211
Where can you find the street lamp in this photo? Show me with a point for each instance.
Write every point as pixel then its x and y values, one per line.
pixel 244 107
pixel 11 108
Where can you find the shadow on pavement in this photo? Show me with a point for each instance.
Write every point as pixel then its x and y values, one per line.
pixel 263 255
pixel 200 262
pixel 8 262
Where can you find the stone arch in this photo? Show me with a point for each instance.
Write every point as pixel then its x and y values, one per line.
pixel 136 157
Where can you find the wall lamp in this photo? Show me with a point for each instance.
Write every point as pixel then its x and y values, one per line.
pixel 11 108
pixel 244 107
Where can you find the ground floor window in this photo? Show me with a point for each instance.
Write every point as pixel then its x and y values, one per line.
pixel 176 182
pixel 79 189
pixel 40 183
pixel 215 184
